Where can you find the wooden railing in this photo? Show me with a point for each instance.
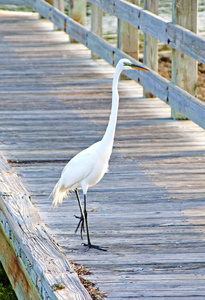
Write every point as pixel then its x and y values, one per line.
pixel 187 47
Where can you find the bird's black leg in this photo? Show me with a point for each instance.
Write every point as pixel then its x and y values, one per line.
pixel 82 217
pixel 87 228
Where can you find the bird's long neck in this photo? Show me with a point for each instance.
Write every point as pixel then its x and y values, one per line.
pixel 108 137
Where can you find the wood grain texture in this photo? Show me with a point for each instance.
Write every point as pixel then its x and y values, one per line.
pixel 42 263
pixel 174 36
pixel 170 34
pixel 59 4
pixel 128 37
pixel 184 68
pixel 150 50
pixel 177 98
pixel 96 24
pixel 149 208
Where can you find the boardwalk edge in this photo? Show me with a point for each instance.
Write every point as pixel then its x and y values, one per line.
pixel 32 260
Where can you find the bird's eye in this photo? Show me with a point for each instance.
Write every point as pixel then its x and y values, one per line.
pixel 126 64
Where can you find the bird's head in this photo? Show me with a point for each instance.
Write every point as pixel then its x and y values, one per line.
pixel 126 64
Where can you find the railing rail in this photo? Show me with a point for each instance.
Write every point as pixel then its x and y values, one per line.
pixel 174 36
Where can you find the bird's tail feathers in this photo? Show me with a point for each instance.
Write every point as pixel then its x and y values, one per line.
pixel 58 195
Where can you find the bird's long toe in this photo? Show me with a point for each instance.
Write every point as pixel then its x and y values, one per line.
pixel 94 247
pixel 81 225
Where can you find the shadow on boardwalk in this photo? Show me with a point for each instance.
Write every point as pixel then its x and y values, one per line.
pixel 149 209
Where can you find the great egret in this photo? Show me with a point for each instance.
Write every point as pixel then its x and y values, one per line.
pixel 89 166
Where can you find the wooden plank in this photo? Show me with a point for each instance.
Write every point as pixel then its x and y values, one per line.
pixel 184 68
pixel 59 4
pixel 178 99
pixel 150 51
pixel 96 24
pixel 174 36
pixel 128 38
pixel 16 273
pixel 35 251
pixel 77 11
pixel 144 208
pixel 177 33
pixel 170 34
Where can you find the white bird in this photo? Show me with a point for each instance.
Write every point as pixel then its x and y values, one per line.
pixel 89 166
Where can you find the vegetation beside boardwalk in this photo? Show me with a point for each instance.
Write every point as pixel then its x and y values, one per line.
pixel 6 290
pixel 164 70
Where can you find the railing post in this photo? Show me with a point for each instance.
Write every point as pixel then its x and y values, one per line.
pixel 184 68
pixel 59 4
pixel 96 24
pixel 150 57
pixel 128 37
pixel 77 11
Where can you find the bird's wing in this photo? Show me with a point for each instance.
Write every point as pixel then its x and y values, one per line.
pixel 78 168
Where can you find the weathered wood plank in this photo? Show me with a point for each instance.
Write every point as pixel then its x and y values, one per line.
pixel 176 37
pixel 177 98
pixel 150 51
pixel 170 34
pixel 59 4
pixel 96 24
pixel 184 68
pixel 128 37
pixel 77 11
pixel 144 208
pixel 35 251
pixel 22 284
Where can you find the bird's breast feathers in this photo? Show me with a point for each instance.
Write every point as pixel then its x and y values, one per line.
pixel 86 168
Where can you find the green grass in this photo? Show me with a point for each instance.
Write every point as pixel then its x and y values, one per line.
pixel 6 290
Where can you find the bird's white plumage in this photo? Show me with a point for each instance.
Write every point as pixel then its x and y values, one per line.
pixel 82 171
pixel 88 167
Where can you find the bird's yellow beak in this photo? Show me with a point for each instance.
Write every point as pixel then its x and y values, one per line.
pixel 136 67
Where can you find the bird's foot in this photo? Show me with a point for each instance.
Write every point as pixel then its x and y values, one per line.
pixel 81 225
pixel 93 246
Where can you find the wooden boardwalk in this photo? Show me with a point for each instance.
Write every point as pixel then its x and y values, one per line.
pixel 149 209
